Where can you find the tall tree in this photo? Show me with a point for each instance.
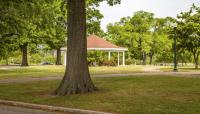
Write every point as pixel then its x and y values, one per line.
pixel 29 14
pixel 93 17
pixel 9 29
pixel 24 18
pixel 143 24
pixel 188 32
pixel 134 33
pixel 55 27
pixel 77 78
pixel 160 41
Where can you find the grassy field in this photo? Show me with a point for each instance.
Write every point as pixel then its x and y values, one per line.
pixel 181 69
pixel 42 71
pixel 122 95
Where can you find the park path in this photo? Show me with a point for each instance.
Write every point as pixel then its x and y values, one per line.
pixel 19 110
pixel 175 74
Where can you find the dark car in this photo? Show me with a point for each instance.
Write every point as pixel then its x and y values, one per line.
pixel 46 63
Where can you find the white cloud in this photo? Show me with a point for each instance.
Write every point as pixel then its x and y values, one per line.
pixel 161 8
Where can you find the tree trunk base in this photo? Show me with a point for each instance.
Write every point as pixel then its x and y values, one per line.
pixel 24 64
pixel 69 88
pixel 77 78
pixel 196 66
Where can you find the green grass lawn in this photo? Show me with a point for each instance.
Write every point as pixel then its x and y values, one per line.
pixel 181 69
pixel 122 95
pixel 42 71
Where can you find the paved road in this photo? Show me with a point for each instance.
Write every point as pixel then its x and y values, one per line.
pixel 17 110
pixel 176 74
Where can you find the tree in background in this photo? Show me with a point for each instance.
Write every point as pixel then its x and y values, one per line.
pixel 188 32
pixel 160 41
pixel 24 21
pixel 7 47
pixel 135 33
pixel 142 21
pixel 93 18
pixel 55 27
pixel 9 24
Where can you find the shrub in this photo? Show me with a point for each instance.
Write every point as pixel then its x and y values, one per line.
pixel 108 63
pixel 16 60
pixel 35 58
pixel 130 61
pixel 49 58
pixel 91 61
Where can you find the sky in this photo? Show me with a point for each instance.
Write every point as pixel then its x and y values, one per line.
pixel 161 8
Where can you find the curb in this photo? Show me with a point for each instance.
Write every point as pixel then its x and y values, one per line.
pixel 50 108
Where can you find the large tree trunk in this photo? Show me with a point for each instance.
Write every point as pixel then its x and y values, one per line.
pixel 58 57
pixel 77 78
pixel 24 54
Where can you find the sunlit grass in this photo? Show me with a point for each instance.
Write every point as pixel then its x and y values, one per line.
pixel 181 69
pixel 43 71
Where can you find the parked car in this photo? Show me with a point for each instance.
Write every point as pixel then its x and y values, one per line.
pixel 46 63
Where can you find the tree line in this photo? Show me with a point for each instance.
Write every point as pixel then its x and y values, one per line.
pixel 28 26
pixel 149 37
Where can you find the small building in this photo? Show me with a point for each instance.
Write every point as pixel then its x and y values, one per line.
pixel 95 43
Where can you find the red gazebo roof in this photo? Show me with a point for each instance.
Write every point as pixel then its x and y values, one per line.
pixel 94 41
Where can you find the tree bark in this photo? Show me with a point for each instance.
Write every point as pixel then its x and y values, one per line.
pixel 77 78
pixel 140 50
pixel 196 61
pixel 144 58
pixel 6 61
pixel 58 57
pixel 151 54
pixel 196 64
pixel 24 54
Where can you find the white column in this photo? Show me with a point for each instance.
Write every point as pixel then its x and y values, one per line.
pixel 118 58
pixel 54 53
pixel 123 58
pixel 65 58
pixel 109 53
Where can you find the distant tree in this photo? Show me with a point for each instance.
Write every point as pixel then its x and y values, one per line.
pixel 160 40
pixel 55 33
pixel 135 33
pixel 188 32
pixel 184 56
pixel 24 20
pixel 9 24
pixel 93 19
pixel 143 24
pixel 7 46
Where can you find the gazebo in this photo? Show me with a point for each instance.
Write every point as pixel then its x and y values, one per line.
pixel 95 43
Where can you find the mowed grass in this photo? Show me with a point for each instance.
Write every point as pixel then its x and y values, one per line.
pixel 121 95
pixel 8 72
pixel 31 71
pixel 181 69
